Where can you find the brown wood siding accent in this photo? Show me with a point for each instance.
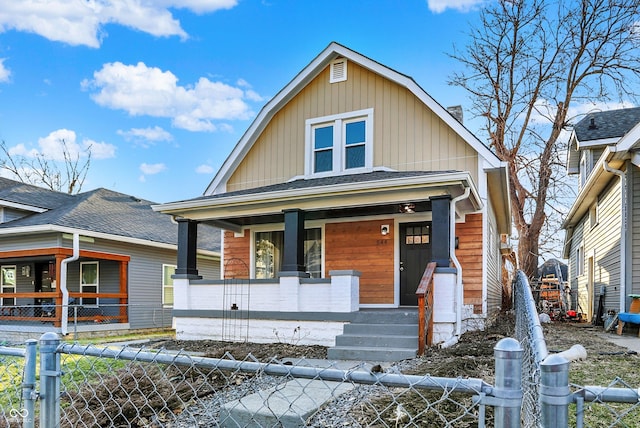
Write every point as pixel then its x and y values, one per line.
pixel 236 255
pixel 407 135
pixel 469 254
pixel 360 246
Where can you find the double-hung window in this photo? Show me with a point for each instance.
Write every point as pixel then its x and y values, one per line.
pixel 339 143
pixel 167 284
pixel 89 282
pixel 8 284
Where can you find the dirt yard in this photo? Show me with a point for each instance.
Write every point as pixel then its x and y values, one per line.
pixel 472 356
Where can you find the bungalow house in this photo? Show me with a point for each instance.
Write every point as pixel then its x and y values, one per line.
pixel 348 182
pixel 98 260
pixel 602 241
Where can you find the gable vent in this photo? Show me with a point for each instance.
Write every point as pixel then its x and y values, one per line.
pixel 338 70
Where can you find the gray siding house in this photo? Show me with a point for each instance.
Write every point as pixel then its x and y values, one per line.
pixel 602 241
pixel 98 260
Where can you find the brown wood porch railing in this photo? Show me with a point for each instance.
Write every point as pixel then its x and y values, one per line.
pixel 425 308
pixel 19 312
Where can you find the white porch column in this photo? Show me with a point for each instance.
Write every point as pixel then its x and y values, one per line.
pixel 444 305
pixel 345 290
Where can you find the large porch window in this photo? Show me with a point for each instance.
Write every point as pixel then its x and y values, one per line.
pixel 89 282
pixel 269 247
pixel 8 284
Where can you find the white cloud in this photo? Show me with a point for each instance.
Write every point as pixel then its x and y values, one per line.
pixel 439 6
pixel 151 169
pixel 142 90
pixel 82 22
pixel 100 150
pixel 144 136
pixel 5 73
pixel 204 169
pixel 52 147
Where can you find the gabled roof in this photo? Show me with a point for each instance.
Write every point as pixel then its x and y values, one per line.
pixel 26 197
pixel 99 212
pixel 607 124
pixel 600 129
pixel 331 52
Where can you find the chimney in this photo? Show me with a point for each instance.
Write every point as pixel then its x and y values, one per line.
pixel 456 111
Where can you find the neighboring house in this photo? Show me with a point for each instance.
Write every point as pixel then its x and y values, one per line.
pixel 107 256
pixel 602 241
pixel 348 182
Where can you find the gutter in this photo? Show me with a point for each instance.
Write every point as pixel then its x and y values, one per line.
pixel 63 283
pixel 623 234
pixel 456 262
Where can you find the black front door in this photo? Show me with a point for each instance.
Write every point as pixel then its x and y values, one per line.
pixel 42 281
pixel 415 254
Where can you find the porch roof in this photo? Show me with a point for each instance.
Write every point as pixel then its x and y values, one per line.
pixel 378 192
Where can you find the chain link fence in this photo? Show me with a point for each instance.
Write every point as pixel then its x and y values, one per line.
pixel 123 386
pixel 549 400
pixel 529 333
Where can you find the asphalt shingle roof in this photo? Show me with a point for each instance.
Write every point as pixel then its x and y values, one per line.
pixel 607 124
pixel 103 211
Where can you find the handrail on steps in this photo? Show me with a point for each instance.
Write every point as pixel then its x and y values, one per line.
pixel 425 308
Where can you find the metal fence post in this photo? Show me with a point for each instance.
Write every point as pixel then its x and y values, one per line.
pixel 49 381
pixel 508 383
pixel 555 395
pixel 29 384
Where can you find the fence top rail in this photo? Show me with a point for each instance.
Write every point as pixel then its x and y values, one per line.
pixel 12 352
pixel 537 340
pixel 357 374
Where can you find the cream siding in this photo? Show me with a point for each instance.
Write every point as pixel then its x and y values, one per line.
pixel 407 136
pixel 634 218
pixel 578 282
pixel 493 271
pixel 602 242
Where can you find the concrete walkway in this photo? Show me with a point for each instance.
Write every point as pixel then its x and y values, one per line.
pixel 629 341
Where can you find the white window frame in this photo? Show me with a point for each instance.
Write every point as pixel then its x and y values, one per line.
pixel 585 166
pixel 339 122
pixel 580 261
pixel 96 285
pixel 167 282
pixel 593 215
pixel 12 286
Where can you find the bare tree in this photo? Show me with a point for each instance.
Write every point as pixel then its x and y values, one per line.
pixel 527 63
pixel 39 170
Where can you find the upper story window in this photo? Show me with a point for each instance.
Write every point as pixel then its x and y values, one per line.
pixel 339 143
pixel 586 165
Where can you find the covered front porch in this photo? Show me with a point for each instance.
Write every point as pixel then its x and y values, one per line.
pixel 54 288
pixel 372 237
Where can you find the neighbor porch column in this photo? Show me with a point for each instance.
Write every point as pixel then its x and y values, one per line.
pixel 440 229
pixel 293 254
pixel 187 247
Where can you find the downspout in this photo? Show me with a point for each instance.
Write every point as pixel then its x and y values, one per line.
pixel 63 283
pixel 454 259
pixel 623 234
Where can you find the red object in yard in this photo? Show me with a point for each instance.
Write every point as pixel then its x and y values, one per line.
pixel 572 314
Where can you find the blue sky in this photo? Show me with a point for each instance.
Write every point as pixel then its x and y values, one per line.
pixel 162 93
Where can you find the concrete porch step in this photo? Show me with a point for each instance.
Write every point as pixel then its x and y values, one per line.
pixel 378 336
pixel 370 353
pixel 376 340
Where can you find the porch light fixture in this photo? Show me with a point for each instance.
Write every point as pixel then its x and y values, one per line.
pixel 408 208
pixel 384 229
